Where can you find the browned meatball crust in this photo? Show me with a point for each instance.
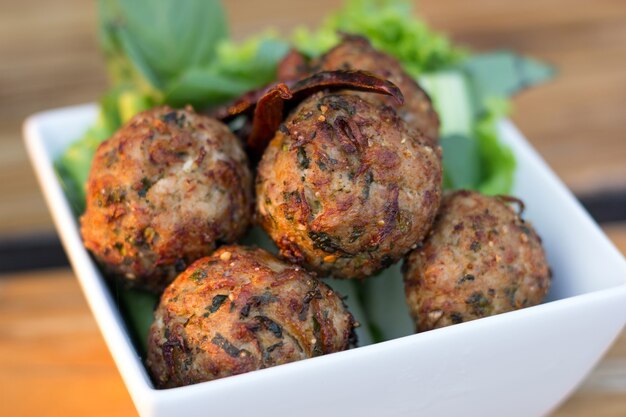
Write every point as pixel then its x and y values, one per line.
pixel 480 259
pixel 239 310
pixel 345 188
pixel 356 53
pixel 162 192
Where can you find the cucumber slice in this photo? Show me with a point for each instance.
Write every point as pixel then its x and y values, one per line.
pixel 452 99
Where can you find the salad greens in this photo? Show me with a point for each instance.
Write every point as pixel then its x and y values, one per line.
pixel 391 27
pixel 179 53
pixel 152 46
pixel 205 68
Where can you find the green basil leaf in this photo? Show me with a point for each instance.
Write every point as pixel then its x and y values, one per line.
pixel 503 74
pixel 161 40
pixel 238 68
pixel 205 87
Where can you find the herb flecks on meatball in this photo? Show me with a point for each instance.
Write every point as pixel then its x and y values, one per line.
pixel 356 53
pixel 345 188
pixel 163 192
pixel 239 310
pixel 480 259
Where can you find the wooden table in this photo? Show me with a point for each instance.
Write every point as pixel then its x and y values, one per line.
pixel 52 358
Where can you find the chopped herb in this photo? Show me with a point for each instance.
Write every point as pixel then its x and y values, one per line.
pixel 510 294
pixel 318 348
pixel 273 347
pixel 217 302
pixel 291 198
pixel 120 248
pixel 466 277
pixel 315 205
pixel 198 275
pixel 325 242
pixel 245 310
pixel 456 317
pixel 145 186
pixel 232 350
pixel 115 196
pixel 283 129
pixel 257 301
pixel 369 179
pixel 475 246
pixel 404 221
pixel 337 102
pixel 479 304
pixel 169 117
pixel 181 120
pixel 270 325
pixel 303 160
pixel 288 195
pixel 268 351
pixel 309 296
pixel 357 232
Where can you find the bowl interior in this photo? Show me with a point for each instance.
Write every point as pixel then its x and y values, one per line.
pixel 582 259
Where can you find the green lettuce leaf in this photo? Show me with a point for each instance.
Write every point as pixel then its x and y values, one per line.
pixel 502 74
pixel 73 166
pixel 496 160
pixel 138 310
pixel 392 27
pixel 237 68
pixel 160 41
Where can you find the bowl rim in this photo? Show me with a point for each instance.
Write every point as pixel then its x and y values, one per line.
pixel 116 334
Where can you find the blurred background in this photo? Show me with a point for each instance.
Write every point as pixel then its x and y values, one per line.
pixel 50 347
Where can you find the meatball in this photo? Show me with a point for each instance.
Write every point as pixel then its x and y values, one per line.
pixel 345 187
pixel 242 309
pixel 480 259
pixel 356 53
pixel 163 191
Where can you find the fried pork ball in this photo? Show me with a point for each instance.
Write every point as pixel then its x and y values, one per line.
pixel 356 53
pixel 162 192
pixel 345 188
pixel 480 259
pixel 242 309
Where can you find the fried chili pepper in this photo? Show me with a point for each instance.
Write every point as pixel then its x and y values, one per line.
pixel 268 106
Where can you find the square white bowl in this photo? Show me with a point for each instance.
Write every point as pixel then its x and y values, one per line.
pixel 521 363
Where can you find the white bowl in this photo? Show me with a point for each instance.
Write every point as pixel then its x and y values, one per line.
pixel 521 363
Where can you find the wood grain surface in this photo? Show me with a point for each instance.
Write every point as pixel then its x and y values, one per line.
pixel 52 357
